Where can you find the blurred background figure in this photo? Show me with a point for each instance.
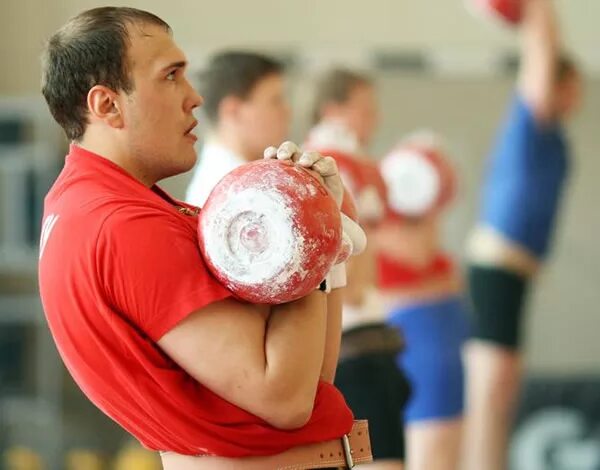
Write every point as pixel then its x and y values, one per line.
pixel 522 193
pixel 345 118
pixel 247 111
pixel 422 295
pixel 348 98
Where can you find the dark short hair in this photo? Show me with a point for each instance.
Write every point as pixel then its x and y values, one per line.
pixel 335 86
pixel 233 73
pixel 91 49
pixel 565 67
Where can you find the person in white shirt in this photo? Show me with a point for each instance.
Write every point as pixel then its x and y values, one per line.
pixel 247 111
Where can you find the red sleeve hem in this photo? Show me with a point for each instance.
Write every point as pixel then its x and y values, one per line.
pixel 169 319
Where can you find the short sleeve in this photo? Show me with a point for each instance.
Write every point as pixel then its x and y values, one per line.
pixel 514 141
pixel 151 269
pixel 521 115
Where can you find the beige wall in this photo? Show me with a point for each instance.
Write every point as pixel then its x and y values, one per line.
pixel 309 24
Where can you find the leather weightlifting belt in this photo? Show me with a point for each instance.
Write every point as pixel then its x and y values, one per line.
pixel 352 449
pixel 370 339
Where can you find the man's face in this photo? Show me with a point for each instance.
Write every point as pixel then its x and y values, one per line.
pixel 158 112
pixel 360 112
pixel 263 118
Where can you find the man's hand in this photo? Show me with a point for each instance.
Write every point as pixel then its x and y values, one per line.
pixel 325 167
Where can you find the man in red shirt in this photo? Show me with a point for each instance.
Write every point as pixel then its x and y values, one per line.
pixel 147 333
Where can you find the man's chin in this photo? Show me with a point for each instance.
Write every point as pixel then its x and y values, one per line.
pixel 187 158
pixel 184 164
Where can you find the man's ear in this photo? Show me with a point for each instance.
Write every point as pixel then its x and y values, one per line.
pixel 103 105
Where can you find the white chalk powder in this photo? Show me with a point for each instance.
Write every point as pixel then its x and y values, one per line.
pixel 253 240
pixel 266 213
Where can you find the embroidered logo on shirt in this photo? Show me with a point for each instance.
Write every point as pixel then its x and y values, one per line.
pixel 47 227
pixel 188 211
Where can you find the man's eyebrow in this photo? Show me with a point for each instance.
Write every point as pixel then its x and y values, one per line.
pixel 176 65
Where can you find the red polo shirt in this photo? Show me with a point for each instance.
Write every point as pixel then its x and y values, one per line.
pixel 120 267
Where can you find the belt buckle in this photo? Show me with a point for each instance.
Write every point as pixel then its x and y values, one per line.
pixel 347 451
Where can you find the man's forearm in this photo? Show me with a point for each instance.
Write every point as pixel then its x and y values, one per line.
pixel 540 49
pixel 295 344
pixel 334 334
pixel 540 30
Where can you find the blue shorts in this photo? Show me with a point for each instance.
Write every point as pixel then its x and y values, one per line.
pixel 434 333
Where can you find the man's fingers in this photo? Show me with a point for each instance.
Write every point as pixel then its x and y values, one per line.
pixel 308 159
pixel 326 166
pixel 270 153
pixel 287 151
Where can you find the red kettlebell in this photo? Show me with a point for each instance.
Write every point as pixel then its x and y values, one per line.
pixel 419 177
pixel 508 11
pixel 270 232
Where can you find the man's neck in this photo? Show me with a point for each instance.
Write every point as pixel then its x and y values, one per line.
pixel 107 148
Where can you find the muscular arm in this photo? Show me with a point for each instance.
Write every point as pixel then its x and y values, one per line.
pixel 267 362
pixel 539 50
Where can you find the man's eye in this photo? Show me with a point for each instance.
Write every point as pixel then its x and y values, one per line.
pixel 171 75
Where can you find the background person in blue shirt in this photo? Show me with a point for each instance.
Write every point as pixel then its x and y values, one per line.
pixel 524 184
